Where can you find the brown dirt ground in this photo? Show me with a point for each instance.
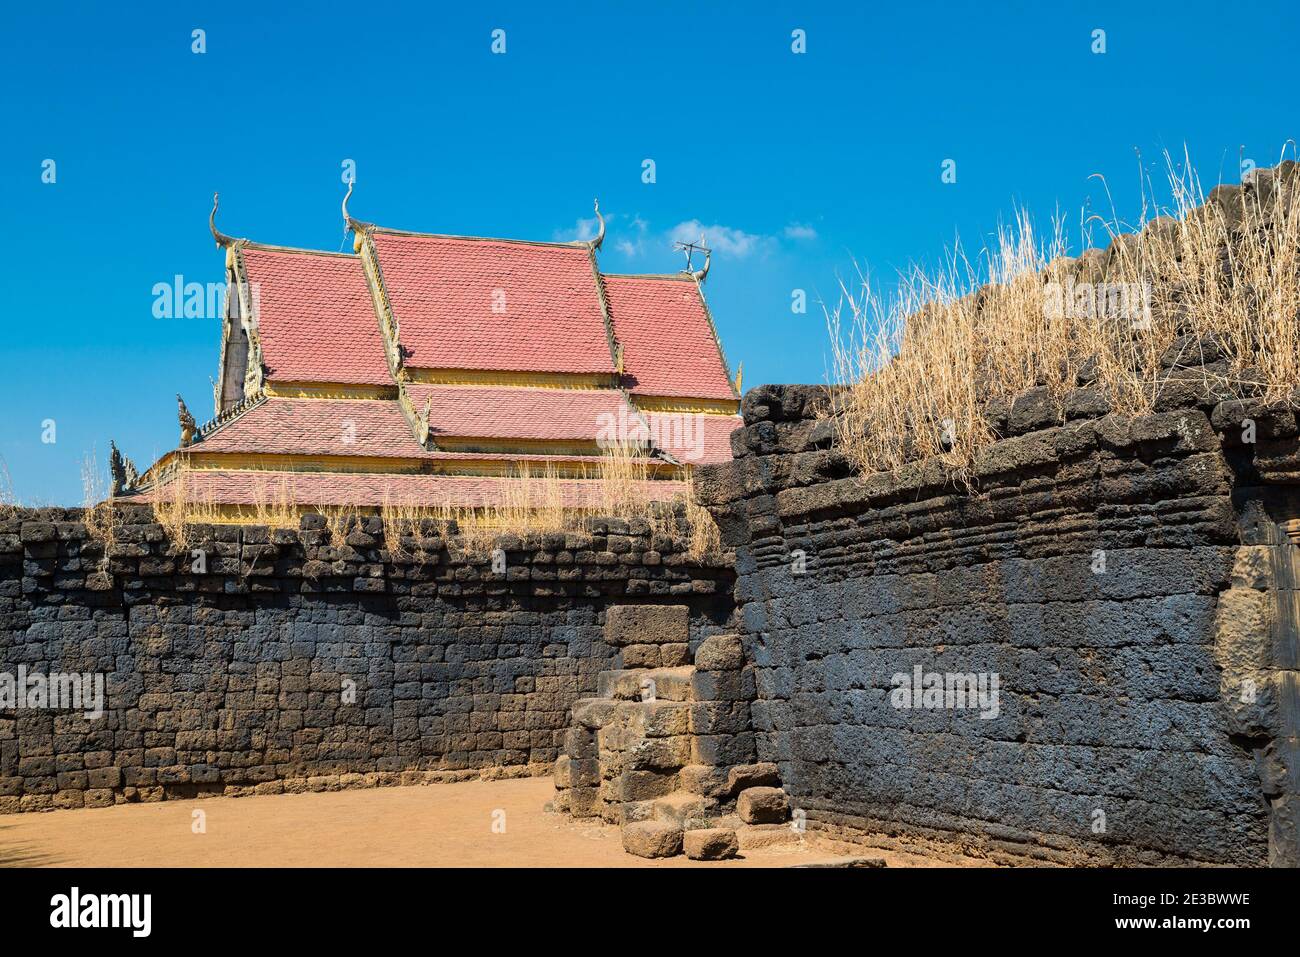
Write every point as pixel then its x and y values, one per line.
pixel 440 825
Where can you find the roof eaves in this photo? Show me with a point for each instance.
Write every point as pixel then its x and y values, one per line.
pixel 576 244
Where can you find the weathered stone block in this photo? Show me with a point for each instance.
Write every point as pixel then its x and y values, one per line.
pixel 644 785
pixel 723 749
pixel 647 624
pixel 747 776
pixel 719 717
pixel 652 839
pixel 703 779
pixel 762 805
pixel 719 653
pixel 641 656
pixel 674 655
pixel 710 844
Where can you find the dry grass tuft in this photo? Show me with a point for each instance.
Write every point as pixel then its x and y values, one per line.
pixel 99 510
pixel 9 503
pixel 274 507
pixel 921 368
pixel 339 520
pixel 703 536
pixel 178 509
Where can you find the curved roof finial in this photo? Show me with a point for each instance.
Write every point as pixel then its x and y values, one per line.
pixel 600 235
pixel 222 239
pixel 699 274
pixel 355 225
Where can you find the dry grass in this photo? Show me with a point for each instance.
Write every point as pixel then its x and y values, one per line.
pixel 99 510
pixel 533 502
pixel 921 367
pixel 9 503
pixel 179 508
pixel 703 536
pixel 274 507
pixel 338 520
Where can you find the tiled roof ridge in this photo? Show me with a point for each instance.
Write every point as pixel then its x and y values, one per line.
pixel 552 243
pixel 276 248
pixel 224 418
pixel 680 274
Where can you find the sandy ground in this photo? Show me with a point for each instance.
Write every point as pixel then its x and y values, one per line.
pixel 441 825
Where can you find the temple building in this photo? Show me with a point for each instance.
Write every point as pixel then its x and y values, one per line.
pixel 434 370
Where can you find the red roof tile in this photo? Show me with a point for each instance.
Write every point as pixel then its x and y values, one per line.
pixel 694 438
pixel 492 304
pixel 519 413
pixel 317 427
pixel 220 487
pixel 315 317
pixel 668 346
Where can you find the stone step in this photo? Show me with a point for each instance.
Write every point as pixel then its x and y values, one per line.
pixel 682 807
pixel 646 684
pixel 763 805
pixel 766 835
pixel 593 713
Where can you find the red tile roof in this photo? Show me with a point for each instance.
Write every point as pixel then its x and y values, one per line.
pixel 519 413
pixel 668 345
pixel 315 317
pixel 492 304
pixel 374 489
pixel 377 428
pixel 692 437
pixel 371 427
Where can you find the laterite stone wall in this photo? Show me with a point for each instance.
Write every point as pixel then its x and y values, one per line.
pixel 1128 580
pixel 286 664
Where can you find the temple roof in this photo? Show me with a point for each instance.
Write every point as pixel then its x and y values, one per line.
pixel 669 345
pixel 519 413
pixel 431 367
pixel 693 439
pixel 317 427
pixel 494 304
pixel 315 317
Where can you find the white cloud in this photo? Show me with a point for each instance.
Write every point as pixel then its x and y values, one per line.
pixel 633 243
pixel 583 231
pixel 723 239
pixel 632 237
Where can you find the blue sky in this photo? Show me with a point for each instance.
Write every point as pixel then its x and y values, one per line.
pixel 796 165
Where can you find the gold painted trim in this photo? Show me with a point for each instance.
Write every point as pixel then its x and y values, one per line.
pixel 523 380
pixel 470 443
pixel 668 403
pixel 293 462
pixel 329 390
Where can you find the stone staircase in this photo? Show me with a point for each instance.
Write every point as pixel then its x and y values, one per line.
pixel 665 750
